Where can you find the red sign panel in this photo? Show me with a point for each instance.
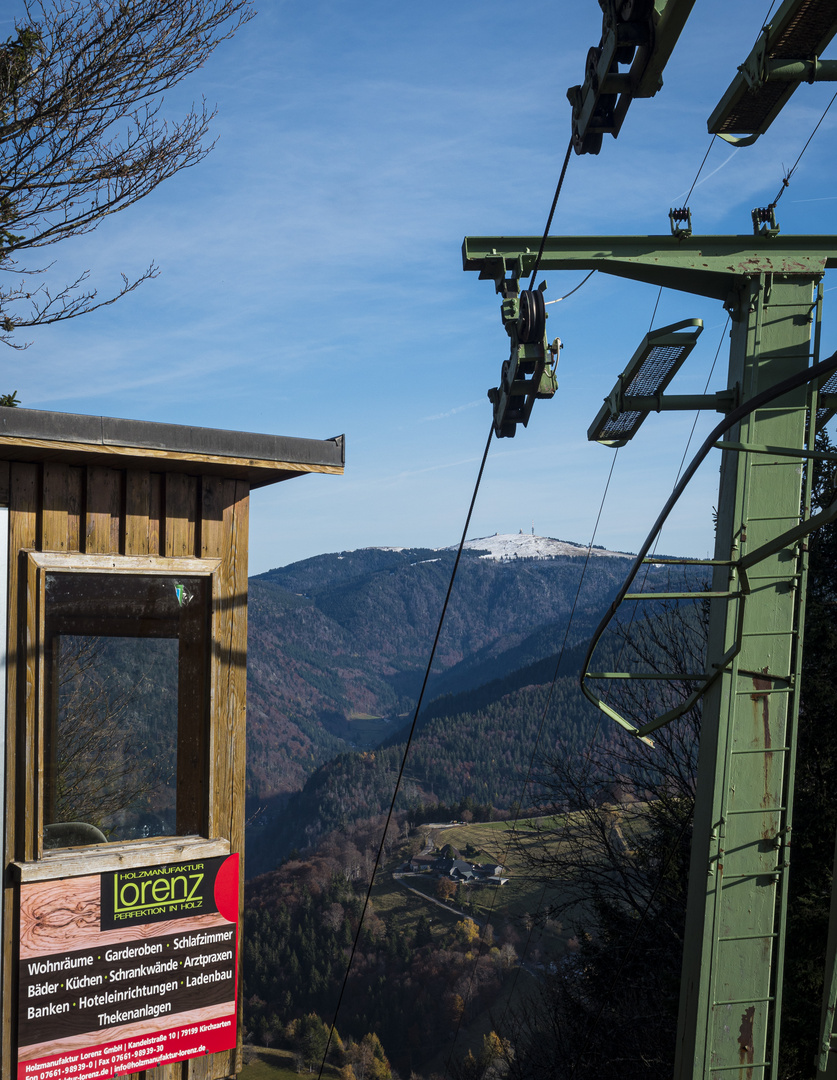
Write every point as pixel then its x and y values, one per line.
pixel 127 970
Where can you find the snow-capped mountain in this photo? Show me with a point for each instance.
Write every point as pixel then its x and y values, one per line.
pixel 522 545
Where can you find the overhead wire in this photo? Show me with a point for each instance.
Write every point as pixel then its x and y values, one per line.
pixel 787 178
pixel 532 758
pixel 687 819
pixel 566 296
pixel 764 23
pixel 593 738
pixel 700 170
pixel 588 756
pixel 406 751
pixel 535 269
pixel 817 371
pixel 435 643
pixel 769 10
pixel 563 647
pixel 578 591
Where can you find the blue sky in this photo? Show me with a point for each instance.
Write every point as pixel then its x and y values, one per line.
pixel 311 278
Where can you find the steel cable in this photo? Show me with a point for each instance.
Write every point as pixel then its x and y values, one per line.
pixel 551 215
pixel 406 752
pixel 532 763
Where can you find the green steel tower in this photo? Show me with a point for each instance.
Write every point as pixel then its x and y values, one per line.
pixel 770 285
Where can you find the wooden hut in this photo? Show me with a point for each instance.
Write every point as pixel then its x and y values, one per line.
pixel 123 764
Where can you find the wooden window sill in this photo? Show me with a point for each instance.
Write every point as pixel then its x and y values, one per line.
pixel 102 858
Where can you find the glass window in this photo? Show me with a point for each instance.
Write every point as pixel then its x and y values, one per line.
pixel 126 673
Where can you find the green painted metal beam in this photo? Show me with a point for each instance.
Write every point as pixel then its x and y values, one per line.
pixel 731 987
pixel 714 266
pixel 669 19
pixel 786 54
pixel 600 104
pixel 720 402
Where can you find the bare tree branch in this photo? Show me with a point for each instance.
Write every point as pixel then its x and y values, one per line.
pixel 81 131
pixel 611 853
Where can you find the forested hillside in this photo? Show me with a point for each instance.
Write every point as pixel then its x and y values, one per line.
pixel 338 648
pixel 419 970
pixel 623 849
pixel 471 751
pixel 338 644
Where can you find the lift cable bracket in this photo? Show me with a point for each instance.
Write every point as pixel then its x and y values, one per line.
pixel 529 372
pixel 639 33
pixel 764 220
pixel 680 218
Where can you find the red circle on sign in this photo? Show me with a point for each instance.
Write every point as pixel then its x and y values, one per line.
pixel 226 889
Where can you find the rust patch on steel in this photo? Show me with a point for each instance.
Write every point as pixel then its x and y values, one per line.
pixel 764 264
pixel 745 1043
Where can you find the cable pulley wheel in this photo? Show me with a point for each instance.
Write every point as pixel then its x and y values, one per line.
pixel 531 326
pixel 591 67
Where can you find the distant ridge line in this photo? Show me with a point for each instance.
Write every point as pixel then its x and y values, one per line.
pixel 522 545
pixel 503 546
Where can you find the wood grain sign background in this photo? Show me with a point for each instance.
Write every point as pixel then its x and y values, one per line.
pixel 127 970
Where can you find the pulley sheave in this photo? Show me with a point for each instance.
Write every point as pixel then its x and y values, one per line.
pixel 529 372
pixel 531 326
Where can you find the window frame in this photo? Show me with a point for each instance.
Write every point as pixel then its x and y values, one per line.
pixel 37 565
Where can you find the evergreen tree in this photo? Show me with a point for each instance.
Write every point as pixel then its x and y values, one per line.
pixel 311 1040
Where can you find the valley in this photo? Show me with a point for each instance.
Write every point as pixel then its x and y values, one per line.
pixel 429 975
pixel 337 650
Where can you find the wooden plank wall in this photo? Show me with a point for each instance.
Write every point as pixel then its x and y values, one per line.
pixel 95 510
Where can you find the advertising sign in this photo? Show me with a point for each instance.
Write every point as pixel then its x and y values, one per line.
pixel 127 970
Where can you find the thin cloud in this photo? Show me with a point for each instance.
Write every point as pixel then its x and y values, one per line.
pixel 453 412
pixel 708 176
